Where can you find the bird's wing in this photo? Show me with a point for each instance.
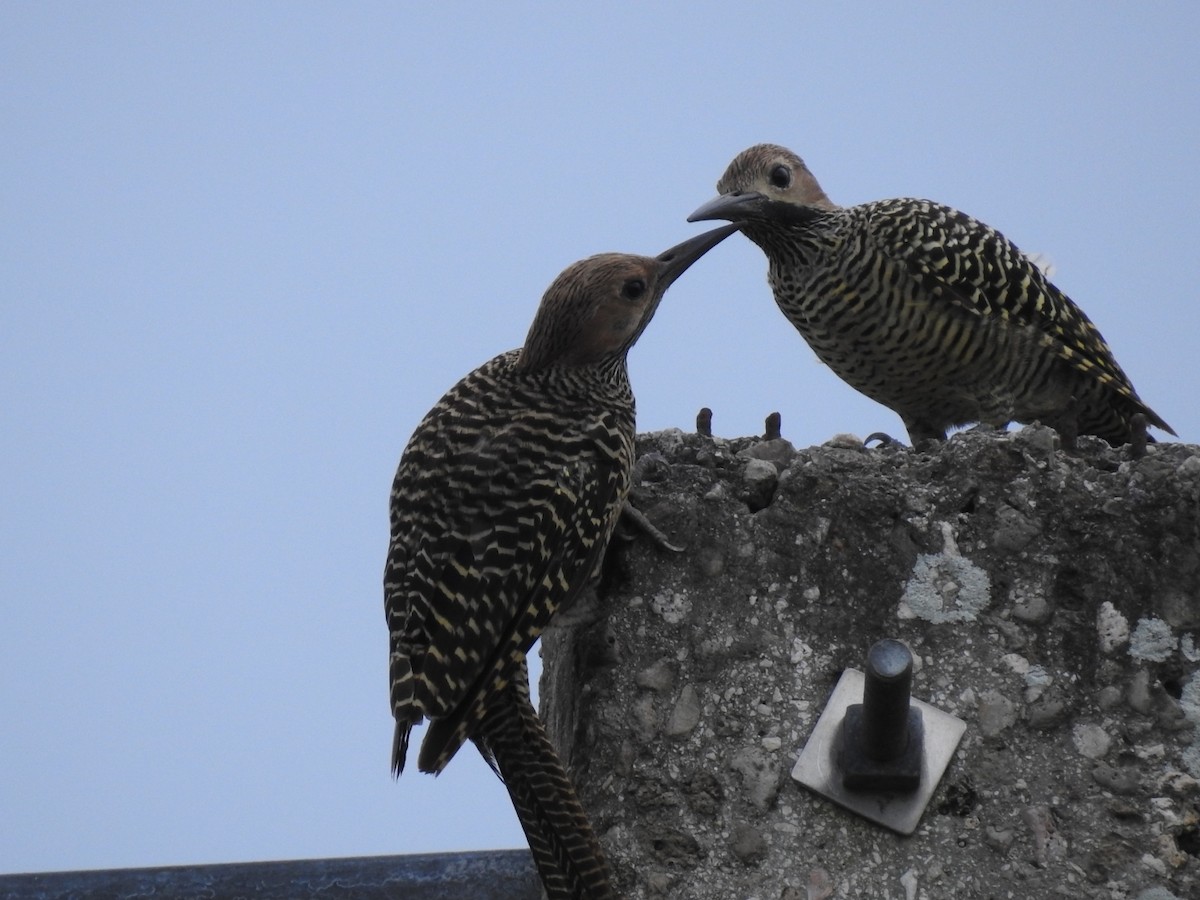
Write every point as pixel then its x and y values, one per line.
pixel 511 534
pixel 978 270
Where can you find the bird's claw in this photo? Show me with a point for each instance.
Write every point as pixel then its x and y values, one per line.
pixel 644 525
pixel 885 440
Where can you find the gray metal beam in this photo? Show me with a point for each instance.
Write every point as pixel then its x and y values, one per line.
pixel 484 875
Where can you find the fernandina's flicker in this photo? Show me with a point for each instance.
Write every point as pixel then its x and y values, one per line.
pixel 503 503
pixel 925 309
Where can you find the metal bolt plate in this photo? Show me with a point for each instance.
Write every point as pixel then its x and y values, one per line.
pixel 817 766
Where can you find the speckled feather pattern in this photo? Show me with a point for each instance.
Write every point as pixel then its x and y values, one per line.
pixel 570 860
pixel 503 499
pixel 503 502
pixel 931 312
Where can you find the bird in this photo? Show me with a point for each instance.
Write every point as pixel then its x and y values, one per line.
pixel 925 309
pixel 503 502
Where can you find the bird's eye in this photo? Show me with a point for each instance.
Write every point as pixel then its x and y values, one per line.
pixel 633 289
pixel 781 176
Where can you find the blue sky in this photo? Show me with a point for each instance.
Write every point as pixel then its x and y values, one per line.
pixel 246 246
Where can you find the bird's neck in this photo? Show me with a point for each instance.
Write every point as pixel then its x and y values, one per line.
pixel 604 386
pixel 796 241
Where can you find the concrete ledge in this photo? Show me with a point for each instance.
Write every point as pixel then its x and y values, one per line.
pixel 1052 602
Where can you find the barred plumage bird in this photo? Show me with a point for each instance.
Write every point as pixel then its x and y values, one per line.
pixel 504 500
pixel 925 309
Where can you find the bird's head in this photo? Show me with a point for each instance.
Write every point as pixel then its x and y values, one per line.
pixel 766 183
pixel 598 307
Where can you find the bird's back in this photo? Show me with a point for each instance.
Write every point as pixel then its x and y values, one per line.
pixel 505 495
pixel 944 320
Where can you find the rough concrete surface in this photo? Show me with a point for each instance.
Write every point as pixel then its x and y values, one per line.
pixel 1051 600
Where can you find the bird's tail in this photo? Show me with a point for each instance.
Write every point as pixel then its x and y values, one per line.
pixel 569 859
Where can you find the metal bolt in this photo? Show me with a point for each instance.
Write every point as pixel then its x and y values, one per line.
pixel 883 737
pixel 885 700
pixel 892 792
pixel 1068 425
pixel 1139 436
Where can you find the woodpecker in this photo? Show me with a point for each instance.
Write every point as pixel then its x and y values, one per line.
pixel 504 500
pixel 924 309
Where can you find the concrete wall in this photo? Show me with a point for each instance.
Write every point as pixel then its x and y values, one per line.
pixel 1052 601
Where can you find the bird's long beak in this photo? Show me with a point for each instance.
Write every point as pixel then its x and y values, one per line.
pixel 674 262
pixel 733 207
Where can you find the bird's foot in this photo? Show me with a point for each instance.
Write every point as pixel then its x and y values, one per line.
pixel 638 522
pixel 885 440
